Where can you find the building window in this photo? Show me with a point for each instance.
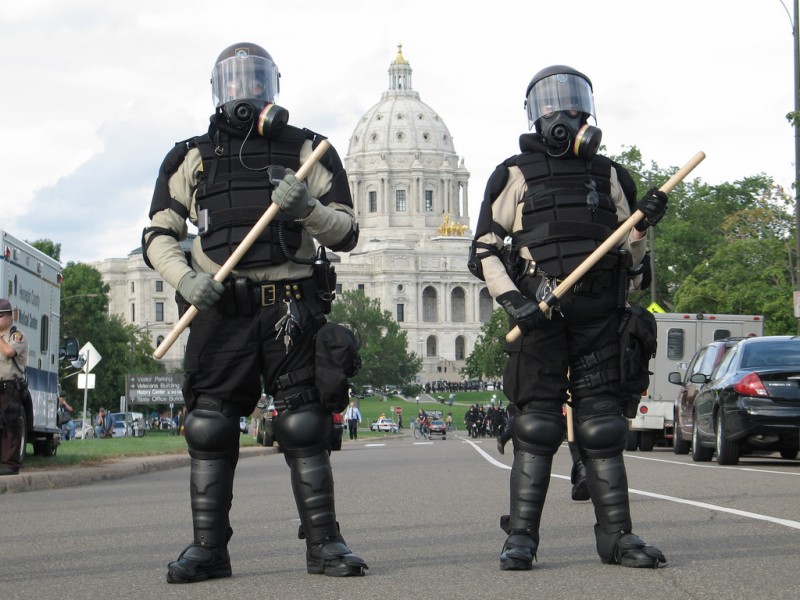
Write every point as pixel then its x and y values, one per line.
pixel 159 340
pixel 458 305
pixel 133 287
pixel 485 305
pixel 430 347
pixel 400 200
pixel 460 348
pixel 159 285
pixel 360 287
pixel 373 201
pixel 159 311
pixel 339 289
pixel 429 312
pixel 400 313
pixel 133 312
pixel 428 200
pixel 44 340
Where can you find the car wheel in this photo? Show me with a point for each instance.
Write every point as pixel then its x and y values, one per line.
pixel 679 445
pixel 632 441
pixel 727 451
pixel 336 444
pixel 444 437
pixel 699 453
pixel 789 454
pixel 647 440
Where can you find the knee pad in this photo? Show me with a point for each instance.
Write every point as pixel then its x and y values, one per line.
pixel 211 434
pixel 304 431
pixel 601 436
pixel 539 432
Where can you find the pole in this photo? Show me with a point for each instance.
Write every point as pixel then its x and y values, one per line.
pixel 86 394
pixel 796 145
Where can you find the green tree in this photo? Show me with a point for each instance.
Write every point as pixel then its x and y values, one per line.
pixel 382 344
pixel 488 359
pixel 84 315
pixel 49 247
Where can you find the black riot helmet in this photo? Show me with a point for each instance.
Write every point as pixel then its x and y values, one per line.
pixel 559 103
pixel 245 83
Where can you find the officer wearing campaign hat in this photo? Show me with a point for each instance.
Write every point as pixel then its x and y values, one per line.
pixel 13 357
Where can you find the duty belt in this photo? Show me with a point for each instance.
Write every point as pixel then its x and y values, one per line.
pixel 267 294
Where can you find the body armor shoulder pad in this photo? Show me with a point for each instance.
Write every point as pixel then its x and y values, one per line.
pixel 173 159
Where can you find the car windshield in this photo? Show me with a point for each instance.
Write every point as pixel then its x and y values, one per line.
pixel 772 354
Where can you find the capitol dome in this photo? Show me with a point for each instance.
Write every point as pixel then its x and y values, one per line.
pixel 404 173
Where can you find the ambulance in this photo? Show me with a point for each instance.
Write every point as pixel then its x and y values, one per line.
pixel 31 281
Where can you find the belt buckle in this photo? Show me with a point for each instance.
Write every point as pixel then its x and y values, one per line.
pixel 268 294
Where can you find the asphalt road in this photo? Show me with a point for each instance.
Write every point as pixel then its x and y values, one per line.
pixel 426 519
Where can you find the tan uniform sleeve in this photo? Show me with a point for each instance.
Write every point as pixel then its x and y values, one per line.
pixel 329 224
pixel 635 246
pixel 165 252
pixel 504 213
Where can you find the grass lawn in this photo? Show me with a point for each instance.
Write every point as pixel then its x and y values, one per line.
pixel 94 451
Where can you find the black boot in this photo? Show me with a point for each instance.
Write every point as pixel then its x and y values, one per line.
pixel 211 489
pixel 580 488
pixel 608 485
pixel 326 551
pixel 530 478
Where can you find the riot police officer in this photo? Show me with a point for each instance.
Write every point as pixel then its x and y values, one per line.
pixel 223 181
pixel 558 200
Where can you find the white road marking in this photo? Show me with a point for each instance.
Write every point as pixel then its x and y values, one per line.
pixel 714 507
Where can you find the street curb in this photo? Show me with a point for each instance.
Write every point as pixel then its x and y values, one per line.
pixel 28 481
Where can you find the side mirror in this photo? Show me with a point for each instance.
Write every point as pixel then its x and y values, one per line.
pixel 70 350
pixel 675 377
pixel 701 378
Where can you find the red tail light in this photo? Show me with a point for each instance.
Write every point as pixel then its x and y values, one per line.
pixel 750 385
pixel 643 409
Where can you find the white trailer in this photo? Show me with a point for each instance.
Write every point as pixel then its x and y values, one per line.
pixel 31 281
pixel 680 335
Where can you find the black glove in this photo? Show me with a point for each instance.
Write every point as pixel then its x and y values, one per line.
pixel 654 206
pixel 522 309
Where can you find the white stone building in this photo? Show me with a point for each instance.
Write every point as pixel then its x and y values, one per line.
pixel 410 195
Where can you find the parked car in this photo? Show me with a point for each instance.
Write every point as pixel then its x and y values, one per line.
pixel 750 402
pixel 438 427
pixel 243 426
pixel 138 424
pixel 123 425
pixel 338 431
pixel 704 361
pixel 167 423
pixel 79 431
pixel 264 430
pixel 265 433
pixel 384 424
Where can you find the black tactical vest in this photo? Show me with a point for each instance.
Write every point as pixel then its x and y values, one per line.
pixel 567 211
pixel 231 197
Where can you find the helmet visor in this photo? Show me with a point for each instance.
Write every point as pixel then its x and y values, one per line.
pixel 559 92
pixel 244 77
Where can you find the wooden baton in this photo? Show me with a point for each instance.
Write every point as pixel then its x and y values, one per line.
pixel 613 241
pixel 241 249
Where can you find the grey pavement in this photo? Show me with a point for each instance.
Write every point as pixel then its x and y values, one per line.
pixel 60 477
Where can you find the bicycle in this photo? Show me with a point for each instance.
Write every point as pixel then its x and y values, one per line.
pixel 421 432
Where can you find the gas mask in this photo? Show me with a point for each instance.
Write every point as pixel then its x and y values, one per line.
pixel 563 133
pixel 268 120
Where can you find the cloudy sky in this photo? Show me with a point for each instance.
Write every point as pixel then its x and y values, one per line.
pixel 95 92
